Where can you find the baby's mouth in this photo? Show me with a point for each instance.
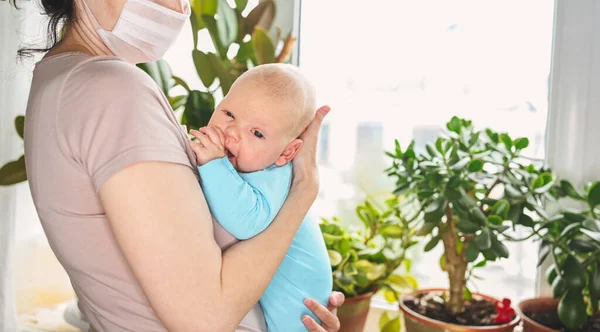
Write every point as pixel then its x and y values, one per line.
pixel 229 154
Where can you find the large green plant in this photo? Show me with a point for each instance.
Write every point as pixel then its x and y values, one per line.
pixel 365 259
pixel 229 30
pixel 572 238
pixel 472 186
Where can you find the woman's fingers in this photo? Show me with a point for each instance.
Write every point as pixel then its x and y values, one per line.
pixel 335 301
pixel 329 320
pixel 312 131
pixel 311 325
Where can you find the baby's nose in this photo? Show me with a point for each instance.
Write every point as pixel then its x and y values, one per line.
pixel 233 133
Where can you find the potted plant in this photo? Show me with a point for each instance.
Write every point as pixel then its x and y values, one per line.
pixel 572 239
pixel 364 259
pixel 467 203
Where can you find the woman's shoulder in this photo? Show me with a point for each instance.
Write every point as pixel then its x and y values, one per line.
pixel 109 74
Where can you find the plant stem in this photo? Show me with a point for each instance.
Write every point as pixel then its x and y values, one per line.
pixel 456 265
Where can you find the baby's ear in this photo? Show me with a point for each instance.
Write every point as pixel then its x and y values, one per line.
pixel 289 152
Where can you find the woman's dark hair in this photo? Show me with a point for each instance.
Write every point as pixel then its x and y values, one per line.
pixel 59 12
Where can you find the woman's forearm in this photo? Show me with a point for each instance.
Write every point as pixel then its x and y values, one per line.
pixel 167 237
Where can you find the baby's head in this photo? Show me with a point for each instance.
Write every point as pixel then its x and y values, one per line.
pixel 263 114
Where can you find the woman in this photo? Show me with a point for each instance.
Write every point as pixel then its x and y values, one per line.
pixel 112 178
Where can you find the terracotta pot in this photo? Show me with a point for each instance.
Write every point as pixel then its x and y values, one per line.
pixel 415 322
pixel 540 304
pixel 353 313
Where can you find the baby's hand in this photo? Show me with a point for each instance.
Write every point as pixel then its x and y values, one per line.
pixel 209 145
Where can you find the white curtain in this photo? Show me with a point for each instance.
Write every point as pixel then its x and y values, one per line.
pixel 16 28
pixel 573 133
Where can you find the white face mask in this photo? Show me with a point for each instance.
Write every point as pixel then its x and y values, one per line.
pixel 144 31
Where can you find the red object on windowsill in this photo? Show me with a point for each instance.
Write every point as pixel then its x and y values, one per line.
pixel 505 313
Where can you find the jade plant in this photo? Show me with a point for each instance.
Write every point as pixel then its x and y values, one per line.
pixel 472 187
pixel 572 238
pixel 366 259
pixel 229 31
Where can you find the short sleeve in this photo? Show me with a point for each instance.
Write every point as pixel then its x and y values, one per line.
pixel 111 115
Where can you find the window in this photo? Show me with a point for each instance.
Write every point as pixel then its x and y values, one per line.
pixel 401 69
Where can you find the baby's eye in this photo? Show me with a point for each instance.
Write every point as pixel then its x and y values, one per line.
pixel 258 134
pixel 229 114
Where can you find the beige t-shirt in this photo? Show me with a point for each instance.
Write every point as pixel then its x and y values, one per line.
pixel 87 118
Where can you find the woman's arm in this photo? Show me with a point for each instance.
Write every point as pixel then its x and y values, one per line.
pixel 162 224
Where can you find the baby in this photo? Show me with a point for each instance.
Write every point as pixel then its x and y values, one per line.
pixel 244 159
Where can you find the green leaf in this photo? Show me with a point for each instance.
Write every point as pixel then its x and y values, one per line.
pixel 573 273
pixel 460 164
pixel 594 285
pixel 226 24
pixel 472 253
pixel 501 208
pixel 545 249
pixel 195 28
pixel 211 24
pixel 507 141
pixel 383 319
pixel 467 227
pixel 334 257
pixel 498 247
pixel 390 295
pixel 426 228
pixel 402 283
pixel 198 109
pixel 489 255
pixel 582 246
pixel 432 243
pixel 494 220
pixel 203 7
pixel 572 310
pixel 160 73
pixel 559 287
pixel 392 231
pixel 20 125
pixel 226 78
pixel 478 215
pixel 521 143
pixel 177 101
pixel 467 294
pixel 263 46
pixel 13 172
pixel 204 67
pixel 569 190
pixel 593 235
pixel 240 5
pixel 435 210
pixel 551 274
pixel 592 224
pixel 181 82
pixel 454 124
pixel 261 16
pixel 483 240
pixel 476 165
pixel 246 52
pixel 392 326
pixel 594 194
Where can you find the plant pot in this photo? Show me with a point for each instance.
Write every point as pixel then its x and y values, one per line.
pixel 415 322
pixel 353 313
pixel 540 304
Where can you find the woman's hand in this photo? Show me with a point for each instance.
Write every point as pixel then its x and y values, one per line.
pixel 304 164
pixel 330 321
